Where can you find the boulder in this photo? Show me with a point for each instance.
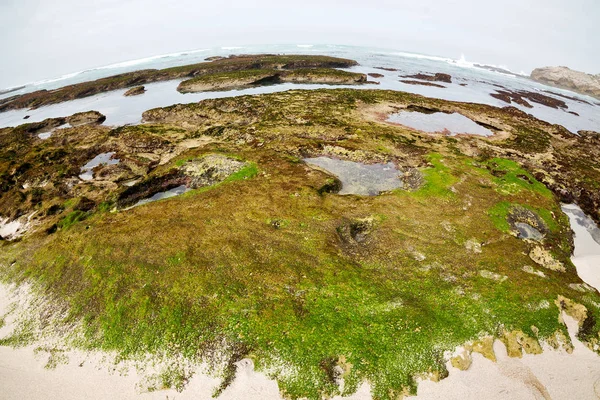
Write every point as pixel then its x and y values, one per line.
pixel 86 118
pixel 566 78
pixel 135 91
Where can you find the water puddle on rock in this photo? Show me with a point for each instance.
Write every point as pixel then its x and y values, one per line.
pixel 586 256
pixel 527 231
pixel 439 122
pixel 163 195
pixel 358 178
pixel 101 159
pixel 46 135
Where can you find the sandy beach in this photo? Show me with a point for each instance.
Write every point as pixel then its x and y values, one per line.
pixel 550 375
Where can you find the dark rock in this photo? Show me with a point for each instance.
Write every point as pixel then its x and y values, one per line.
pixel 135 91
pixel 520 96
pixel 26 117
pixel 387 69
pixel 215 58
pixel 86 118
pixel 375 75
pixel 52 229
pixel 438 77
pixel 355 231
pixel 85 205
pixel 333 185
pixel 522 220
pixel 509 97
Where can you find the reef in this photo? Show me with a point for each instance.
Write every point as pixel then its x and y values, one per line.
pixel 521 96
pixel 233 63
pixel 260 257
pixel 262 77
pixel 135 91
pixel 437 77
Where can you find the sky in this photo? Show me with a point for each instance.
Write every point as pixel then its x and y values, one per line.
pixel 42 39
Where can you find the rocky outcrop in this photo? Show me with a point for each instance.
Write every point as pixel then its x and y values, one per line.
pixel 261 77
pixel 437 77
pixel 85 118
pixel 521 97
pixel 566 78
pixel 233 63
pixel 135 91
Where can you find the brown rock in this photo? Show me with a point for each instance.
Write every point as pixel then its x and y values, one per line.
pixel 135 91
pixel 437 77
pixel 86 118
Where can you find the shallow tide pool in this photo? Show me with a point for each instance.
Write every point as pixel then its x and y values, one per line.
pixel 439 122
pixel 101 159
pixel 358 178
pixel 163 195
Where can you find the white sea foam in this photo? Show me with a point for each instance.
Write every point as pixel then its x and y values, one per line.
pixel 123 64
pixel 138 61
pixel 422 56
pixel 60 78
pixel 231 48
pixel 305 45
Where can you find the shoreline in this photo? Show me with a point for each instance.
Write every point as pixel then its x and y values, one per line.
pixel 549 375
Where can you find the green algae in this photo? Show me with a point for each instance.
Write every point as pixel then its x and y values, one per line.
pixel 257 267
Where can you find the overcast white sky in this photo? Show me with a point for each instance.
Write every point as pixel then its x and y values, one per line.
pixel 43 39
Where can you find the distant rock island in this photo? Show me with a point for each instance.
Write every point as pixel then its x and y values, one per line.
pixel 566 78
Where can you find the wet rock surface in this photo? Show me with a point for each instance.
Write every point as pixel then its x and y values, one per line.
pixel 85 118
pixel 526 223
pixel 232 63
pixel 135 91
pixel 195 173
pixel 437 77
pixel 521 96
pixel 211 169
pixel 255 78
pixel 273 258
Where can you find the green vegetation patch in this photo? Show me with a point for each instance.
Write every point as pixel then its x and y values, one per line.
pixel 313 286
pixel 510 177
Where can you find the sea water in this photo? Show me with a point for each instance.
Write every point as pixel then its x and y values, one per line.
pixel 469 84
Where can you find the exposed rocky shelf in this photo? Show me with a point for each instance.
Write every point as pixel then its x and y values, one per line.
pixel 233 63
pixel 135 91
pixel 263 257
pixel 261 77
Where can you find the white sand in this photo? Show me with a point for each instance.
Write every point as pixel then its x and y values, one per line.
pixel 553 374
pixel 550 375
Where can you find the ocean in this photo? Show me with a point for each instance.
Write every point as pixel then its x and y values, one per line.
pixel 471 82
